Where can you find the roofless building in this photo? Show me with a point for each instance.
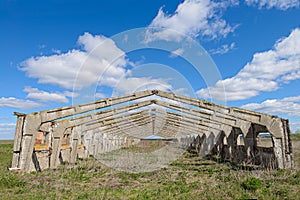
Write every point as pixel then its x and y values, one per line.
pixel 48 138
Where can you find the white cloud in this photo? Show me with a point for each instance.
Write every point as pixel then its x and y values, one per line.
pixel 295 126
pixel 71 94
pixel 100 58
pixel 223 49
pixel 7 129
pixel 97 95
pixel 102 48
pixel 56 51
pixel 182 91
pixel 12 102
pixel 191 18
pixel 34 93
pixel 133 84
pixel 279 4
pixel 7 125
pixel 289 106
pixel 100 95
pixel 100 62
pixel 295 123
pixel 177 52
pixel 5 118
pixel 264 73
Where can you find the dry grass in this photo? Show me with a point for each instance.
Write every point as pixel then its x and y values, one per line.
pixel 296 152
pixel 6 142
pixel 189 177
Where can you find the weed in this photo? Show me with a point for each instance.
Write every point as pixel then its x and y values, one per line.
pixel 282 192
pixel 280 172
pixel 189 177
pixel 246 196
pixel 11 181
pixel 252 183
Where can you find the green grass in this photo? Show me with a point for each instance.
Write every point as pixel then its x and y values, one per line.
pixel 187 178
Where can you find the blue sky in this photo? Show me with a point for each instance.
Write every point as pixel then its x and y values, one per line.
pixel 64 52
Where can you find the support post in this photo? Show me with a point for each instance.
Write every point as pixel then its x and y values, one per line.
pixel 18 140
pixel 30 128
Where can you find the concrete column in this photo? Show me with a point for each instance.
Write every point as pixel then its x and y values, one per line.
pixel 30 128
pixel 75 144
pixel 18 140
pixel 88 141
pixel 219 143
pixel 278 146
pixel 105 143
pixel 96 144
pixel 92 144
pixel 100 149
pixel 210 142
pixel 232 143
pixel 250 143
pixel 57 134
pixel 197 144
pixel 203 147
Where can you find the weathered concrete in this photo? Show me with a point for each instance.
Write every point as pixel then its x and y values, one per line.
pixel 47 139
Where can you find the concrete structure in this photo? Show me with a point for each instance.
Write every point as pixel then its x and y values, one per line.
pixel 49 138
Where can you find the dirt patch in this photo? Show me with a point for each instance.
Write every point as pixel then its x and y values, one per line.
pixel 134 161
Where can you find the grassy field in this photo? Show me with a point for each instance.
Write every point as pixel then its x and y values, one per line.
pixel 189 177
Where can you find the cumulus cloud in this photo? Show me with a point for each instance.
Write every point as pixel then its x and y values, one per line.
pixel 43 96
pixel 99 58
pixel 99 62
pixel 278 4
pixel 191 18
pixel 12 102
pixel 289 106
pixel 264 73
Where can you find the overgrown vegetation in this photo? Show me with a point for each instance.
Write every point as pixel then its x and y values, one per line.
pixel 296 135
pixel 189 177
pixel 252 183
